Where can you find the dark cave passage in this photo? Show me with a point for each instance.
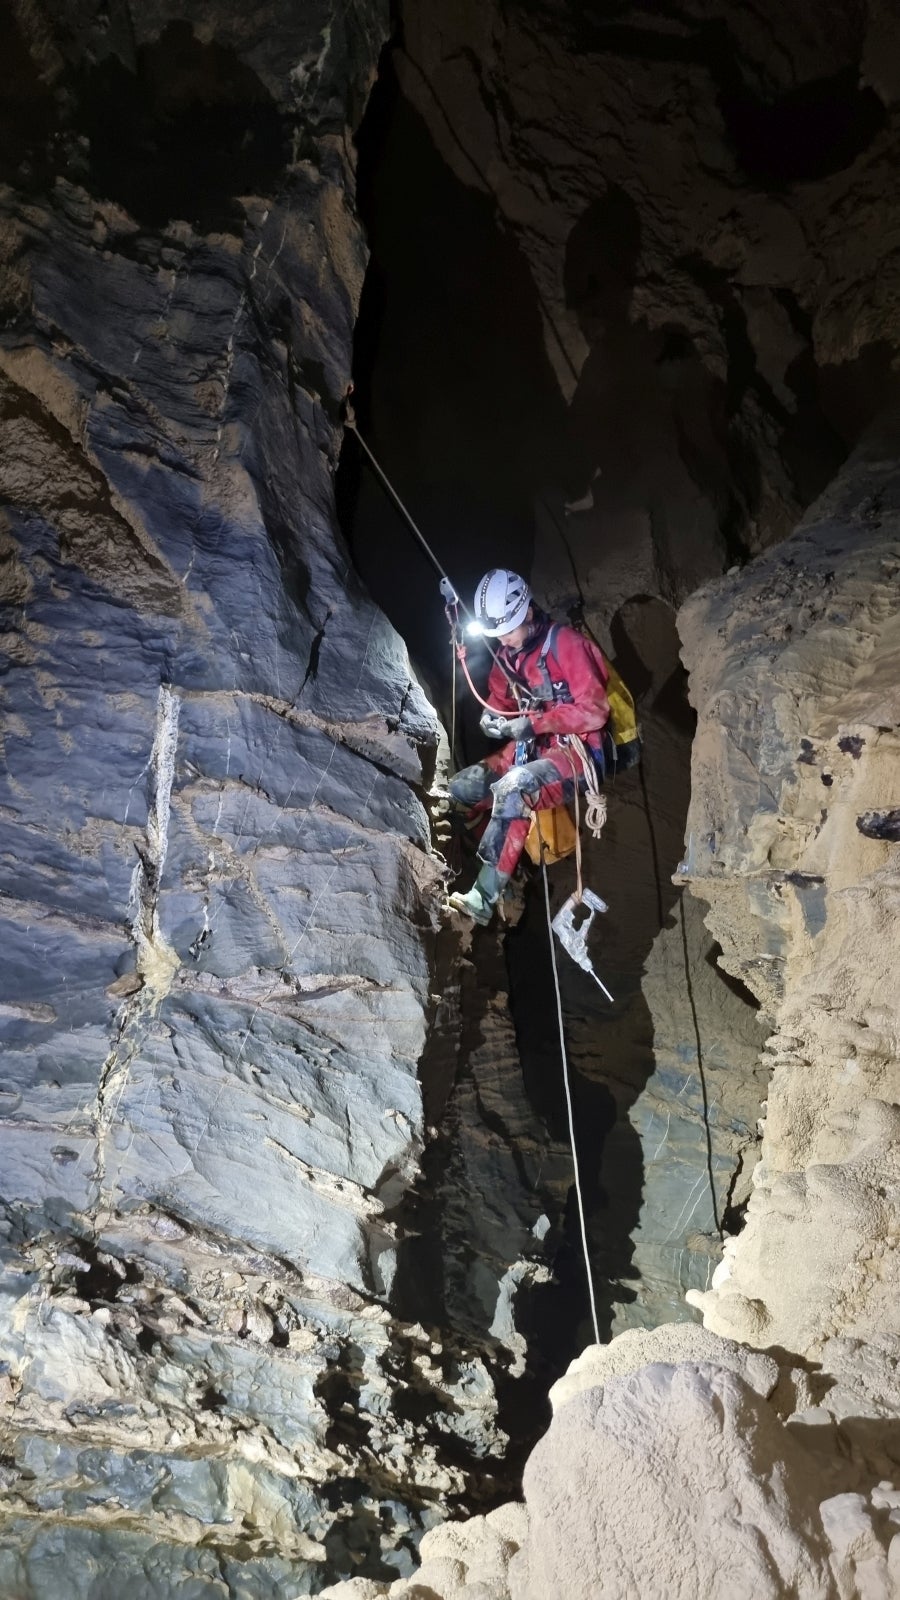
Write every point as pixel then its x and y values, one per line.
pixel 457 397
pixel 453 390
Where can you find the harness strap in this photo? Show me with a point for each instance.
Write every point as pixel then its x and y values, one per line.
pixel 546 647
pixel 513 673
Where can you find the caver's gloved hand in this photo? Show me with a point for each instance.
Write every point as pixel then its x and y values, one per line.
pixel 500 727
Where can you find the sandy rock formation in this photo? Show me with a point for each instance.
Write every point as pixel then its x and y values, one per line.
pixel 675 1480
pixel 675 1464
pixel 793 668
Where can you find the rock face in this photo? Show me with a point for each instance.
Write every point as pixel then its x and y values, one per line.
pixel 220 898
pixel 718 1495
pixel 795 783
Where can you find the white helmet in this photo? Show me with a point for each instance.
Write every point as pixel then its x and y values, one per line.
pixel 501 601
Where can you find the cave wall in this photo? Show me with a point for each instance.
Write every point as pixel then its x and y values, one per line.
pixel 220 898
pixel 705 206
pixel 793 836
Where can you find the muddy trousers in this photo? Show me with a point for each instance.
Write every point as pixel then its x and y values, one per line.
pixel 511 794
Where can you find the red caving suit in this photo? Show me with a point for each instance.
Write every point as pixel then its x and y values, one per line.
pixel 579 677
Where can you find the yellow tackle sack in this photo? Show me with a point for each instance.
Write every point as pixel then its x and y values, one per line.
pixel 557 831
pixel 623 723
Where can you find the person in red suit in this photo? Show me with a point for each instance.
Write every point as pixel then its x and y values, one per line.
pixel 548 683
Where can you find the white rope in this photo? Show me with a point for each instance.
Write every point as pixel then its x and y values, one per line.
pixel 351 423
pixel 595 809
pixel 453 757
pixel 565 1062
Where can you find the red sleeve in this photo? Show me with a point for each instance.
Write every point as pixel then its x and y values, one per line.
pixel 500 694
pixel 582 665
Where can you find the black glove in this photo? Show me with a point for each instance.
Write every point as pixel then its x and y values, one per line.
pixel 500 727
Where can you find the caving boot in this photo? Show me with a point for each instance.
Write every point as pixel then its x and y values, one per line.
pixel 481 899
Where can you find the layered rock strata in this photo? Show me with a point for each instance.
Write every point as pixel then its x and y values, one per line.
pixel 220 898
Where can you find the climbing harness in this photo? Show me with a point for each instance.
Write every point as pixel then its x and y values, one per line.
pixel 623 723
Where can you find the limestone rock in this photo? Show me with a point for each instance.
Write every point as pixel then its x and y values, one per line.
pixel 671 1480
pixel 673 1343
pixel 799 706
pixel 460 1561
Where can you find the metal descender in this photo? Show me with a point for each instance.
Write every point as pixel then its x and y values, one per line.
pixel 574 940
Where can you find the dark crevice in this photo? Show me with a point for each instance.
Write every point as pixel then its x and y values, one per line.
pixel 101 1278
pixel 737 987
pixel 779 137
pixel 468 472
pixel 701 1068
pixel 312 665
pixel 185 133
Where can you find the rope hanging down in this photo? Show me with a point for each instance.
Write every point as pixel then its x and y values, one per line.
pixel 595 811
pixel 349 418
pixel 350 422
pixel 569 1108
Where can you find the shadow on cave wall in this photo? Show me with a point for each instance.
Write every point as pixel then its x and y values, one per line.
pixel 178 133
pixel 459 400
pixel 671 437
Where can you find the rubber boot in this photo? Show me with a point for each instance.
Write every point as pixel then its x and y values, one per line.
pixel 481 899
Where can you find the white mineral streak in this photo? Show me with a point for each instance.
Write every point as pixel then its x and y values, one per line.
pixel 157 962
